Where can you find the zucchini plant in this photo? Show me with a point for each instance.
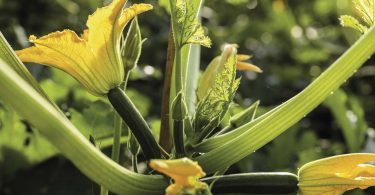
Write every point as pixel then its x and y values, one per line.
pixel 192 143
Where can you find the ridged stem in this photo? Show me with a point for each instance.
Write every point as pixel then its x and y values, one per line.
pixel 67 138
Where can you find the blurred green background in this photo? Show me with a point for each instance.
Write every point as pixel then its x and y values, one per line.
pixel 293 41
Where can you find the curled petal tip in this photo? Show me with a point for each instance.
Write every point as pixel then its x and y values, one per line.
pixel 243 57
pixel 248 67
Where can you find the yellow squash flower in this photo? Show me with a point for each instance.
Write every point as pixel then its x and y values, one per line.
pixel 337 174
pixel 216 66
pixel 94 58
pixel 185 174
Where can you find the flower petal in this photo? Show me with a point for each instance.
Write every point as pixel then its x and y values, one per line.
pixel 336 164
pixel 68 52
pixel 246 66
pixel 105 27
pixel 94 58
pixel 337 174
pixel 180 170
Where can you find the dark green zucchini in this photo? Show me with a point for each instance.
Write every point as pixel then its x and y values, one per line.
pixel 254 183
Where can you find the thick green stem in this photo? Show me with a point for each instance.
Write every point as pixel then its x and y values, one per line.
pixel 129 113
pixel 178 135
pixel 267 129
pixel 118 129
pixel 63 134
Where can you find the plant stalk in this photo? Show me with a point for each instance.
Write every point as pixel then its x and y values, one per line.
pixel 178 135
pixel 117 129
pixel 32 106
pixel 137 124
pixel 165 140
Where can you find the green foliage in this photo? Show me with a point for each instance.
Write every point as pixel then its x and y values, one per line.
pixel 95 120
pixel 21 146
pixel 186 26
pixel 292 43
pixel 212 108
pixel 350 118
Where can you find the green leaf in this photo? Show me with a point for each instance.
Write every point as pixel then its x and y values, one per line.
pixel 96 120
pixel 20 146
pixel 349 116
pixel 186 27
pixel 50 87
pixel 349 21
pixel 212 108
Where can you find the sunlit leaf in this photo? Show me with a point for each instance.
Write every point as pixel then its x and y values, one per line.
pixel 212 108
pixel 187 28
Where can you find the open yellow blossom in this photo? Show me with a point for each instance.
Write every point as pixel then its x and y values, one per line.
pixel 94 58
pixel 185 174
pixel 337 174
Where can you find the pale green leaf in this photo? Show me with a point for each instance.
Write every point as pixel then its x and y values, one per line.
pixel 212 108
pixel 187 28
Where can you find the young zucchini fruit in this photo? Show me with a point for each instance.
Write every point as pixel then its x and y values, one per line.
pixel 254 183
